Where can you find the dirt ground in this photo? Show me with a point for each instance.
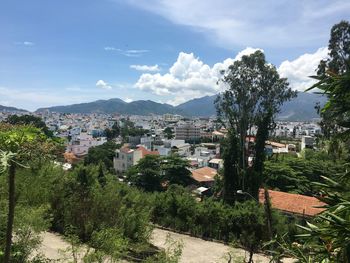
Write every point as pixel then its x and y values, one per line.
pixel 195 250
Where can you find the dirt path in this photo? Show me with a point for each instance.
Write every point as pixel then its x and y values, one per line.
pixel 195 250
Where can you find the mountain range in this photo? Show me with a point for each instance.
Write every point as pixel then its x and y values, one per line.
pixel 11 109
pixel 300 108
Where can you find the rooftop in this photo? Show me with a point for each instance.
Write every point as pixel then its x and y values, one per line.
pixel 204 174
pixel 293 203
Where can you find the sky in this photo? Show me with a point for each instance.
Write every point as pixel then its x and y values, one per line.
pixel 61 52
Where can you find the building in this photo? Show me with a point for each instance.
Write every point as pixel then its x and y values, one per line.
pixel 125 157
pixel 80 145
pixel 295 204
pixel 216 163
pixel 307 142
pixel 187 132
pixel 204 176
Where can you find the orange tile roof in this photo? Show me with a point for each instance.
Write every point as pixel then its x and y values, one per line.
pixel 204 174
pixel 293 203
pixel 146 152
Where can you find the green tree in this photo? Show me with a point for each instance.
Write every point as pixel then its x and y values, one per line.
pixel 112 133
pixel 169 133
pixel 103 153
pixel 18 146
pixel 29 120
pixel 147 174
pixel 255 94
pixel 175 170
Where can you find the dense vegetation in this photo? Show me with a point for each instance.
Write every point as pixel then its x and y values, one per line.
pixel 88 204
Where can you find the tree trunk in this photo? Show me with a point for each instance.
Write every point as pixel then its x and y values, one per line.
pixel 11 212
pixel 251 253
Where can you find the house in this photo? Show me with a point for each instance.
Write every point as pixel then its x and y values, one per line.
pixel 125 157
pixel 204 176
pixel 216 163
pixel 295 204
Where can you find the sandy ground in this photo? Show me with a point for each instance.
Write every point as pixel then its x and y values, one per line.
pixel 195 250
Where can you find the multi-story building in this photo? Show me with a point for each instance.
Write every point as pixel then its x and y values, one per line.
pixel 125 157
pixel 187 132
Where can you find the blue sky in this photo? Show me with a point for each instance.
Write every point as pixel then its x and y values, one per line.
pixel 62 52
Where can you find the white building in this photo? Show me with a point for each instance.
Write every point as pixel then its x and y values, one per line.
pixel 79 145
pixel 125 158
pixel 307 142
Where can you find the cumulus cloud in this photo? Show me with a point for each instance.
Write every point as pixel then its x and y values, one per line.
pixel 103 85
pixel 263 23
pixel 128 52
pixel 188 78
pixel 145 68
pixel 298 71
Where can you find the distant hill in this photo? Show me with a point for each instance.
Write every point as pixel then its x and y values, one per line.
pixel 140 107
pixel 300 108
pixel 11 109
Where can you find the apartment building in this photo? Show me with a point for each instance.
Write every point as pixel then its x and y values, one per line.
pixel 125 157
pixel 188 132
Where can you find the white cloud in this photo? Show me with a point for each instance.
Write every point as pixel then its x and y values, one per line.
pixel 190 78
pixel 103 85
pixel 263 23
pixel 25 43
pixel 128 52
pixel 187 78
pixel 128 100
pixel 153 68
pixel 298 71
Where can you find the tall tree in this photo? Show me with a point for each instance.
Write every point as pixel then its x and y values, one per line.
pixel 255 93
pixel 19 145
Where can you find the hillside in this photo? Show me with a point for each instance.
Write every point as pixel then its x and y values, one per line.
pixel 300 108
pixel 140 107
pixel 11 109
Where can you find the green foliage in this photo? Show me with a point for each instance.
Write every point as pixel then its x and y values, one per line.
pixel 169 133
pixel 153 172
pixel 296 175
pixel 112 133
pixel 255 94
pixel 31 121
pixel 103 153
pixel 128 129
pixel 244 222
pixel 147 173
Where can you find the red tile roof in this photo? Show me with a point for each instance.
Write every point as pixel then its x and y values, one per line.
pixel 293 203
pixel 146 152
pixel 204 174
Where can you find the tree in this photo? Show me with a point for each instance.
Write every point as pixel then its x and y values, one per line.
pixel 103 153
pixel 153 172
pixel 255 94
pixel 112 133
pixel 29 120
pixel 330 71
pixel 169 133
pixel 18 145
pixel 175 170
pixel 147 173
